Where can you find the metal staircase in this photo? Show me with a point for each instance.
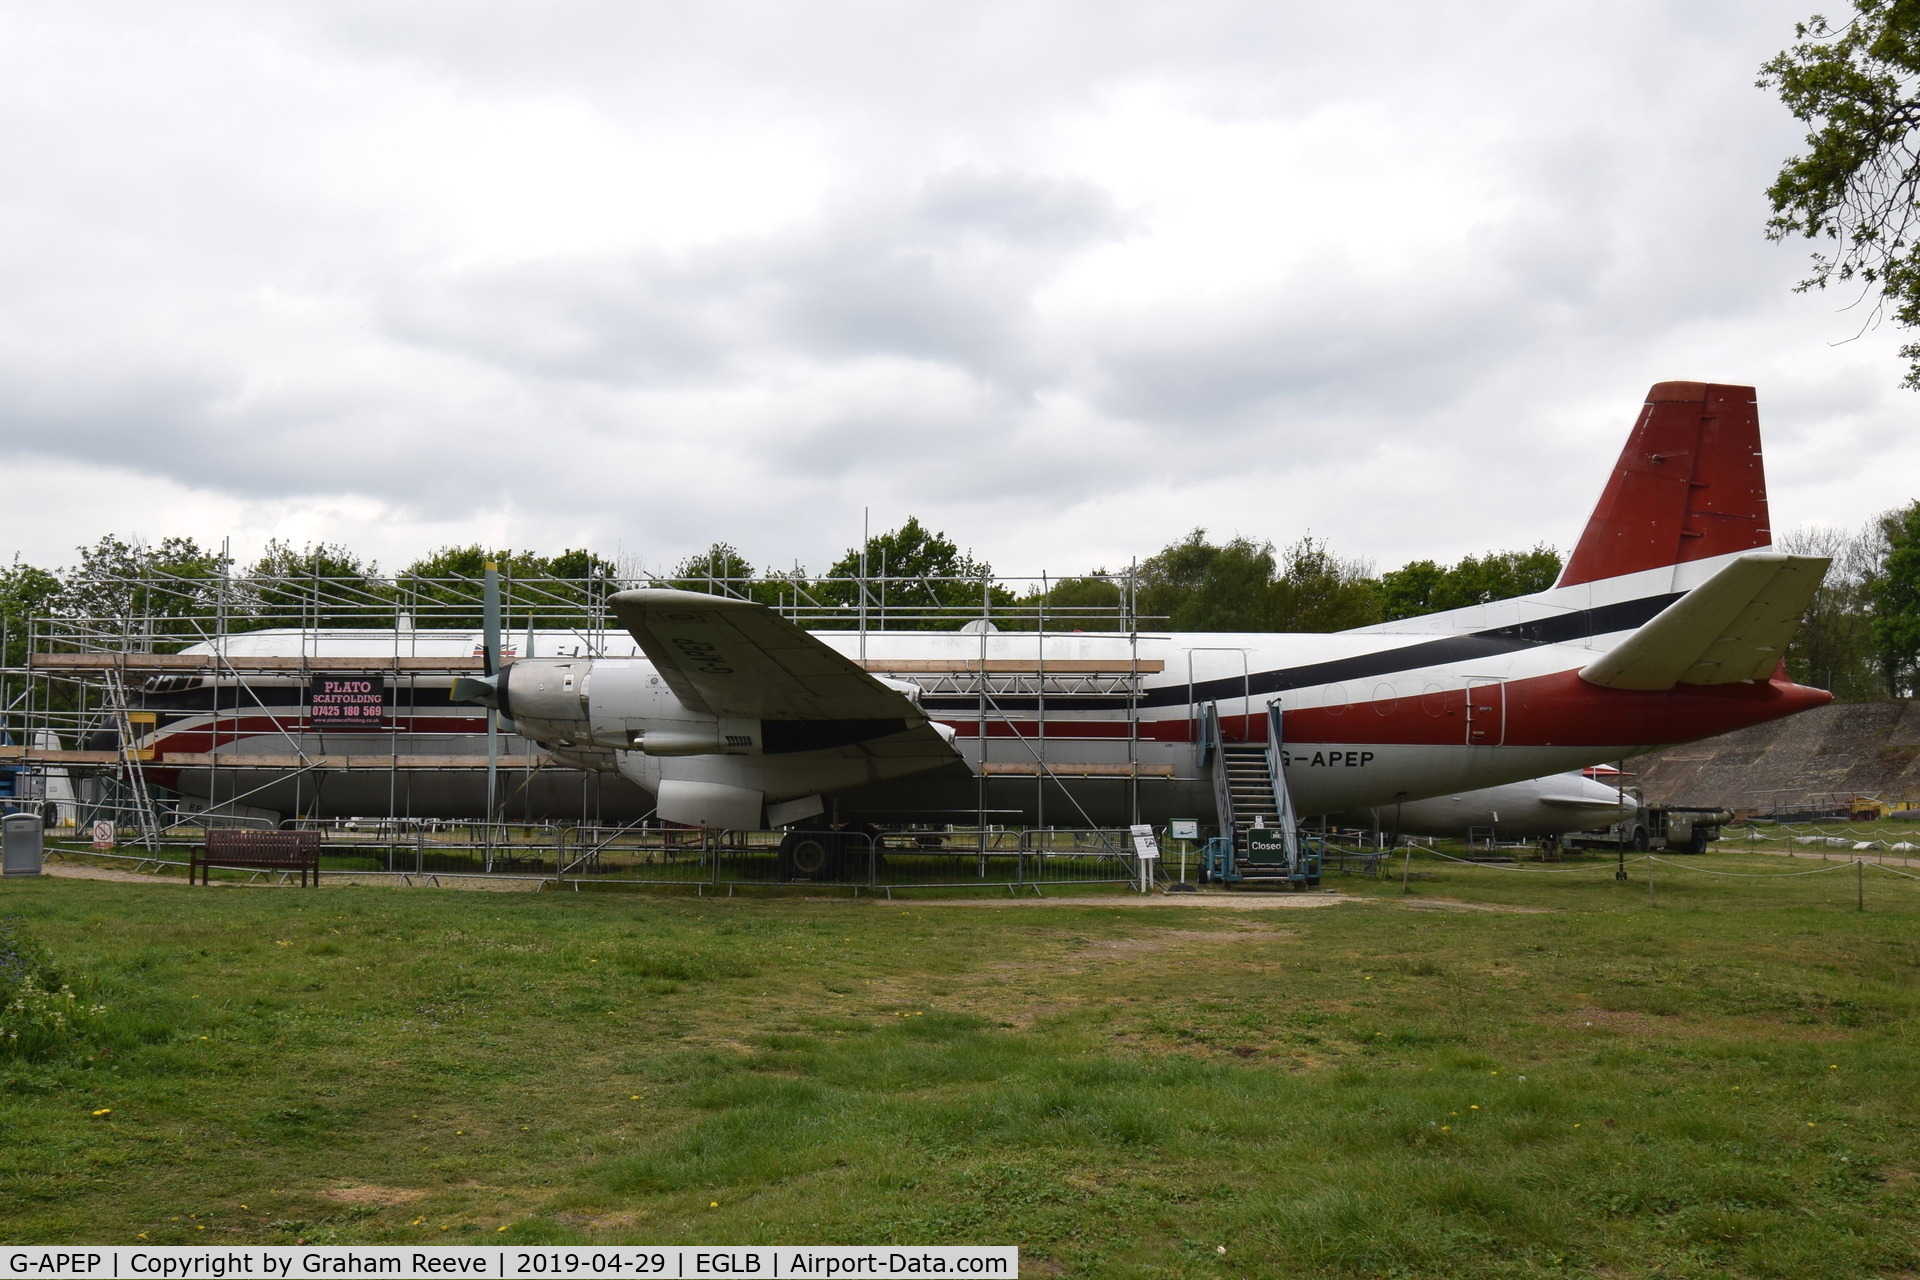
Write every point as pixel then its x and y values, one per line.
pixel 1247 771
pixel 1249 791
pixel 1250 794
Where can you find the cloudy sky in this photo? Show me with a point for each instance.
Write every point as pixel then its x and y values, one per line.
pixel 1065 279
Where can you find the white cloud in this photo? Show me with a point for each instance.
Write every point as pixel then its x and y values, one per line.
pixel 1065 279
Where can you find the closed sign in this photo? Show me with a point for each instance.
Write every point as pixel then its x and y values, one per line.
pixel 1266 846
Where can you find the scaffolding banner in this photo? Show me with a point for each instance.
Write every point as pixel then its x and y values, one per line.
pixel 347 702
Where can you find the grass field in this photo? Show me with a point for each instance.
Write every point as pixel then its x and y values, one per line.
pixel 1500 1074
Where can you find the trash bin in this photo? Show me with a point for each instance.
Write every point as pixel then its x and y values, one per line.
pixel 20 838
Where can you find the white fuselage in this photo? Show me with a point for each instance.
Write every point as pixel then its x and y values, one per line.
pixel 1073 727
pixel 1529 810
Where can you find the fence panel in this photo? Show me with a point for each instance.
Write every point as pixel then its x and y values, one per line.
pixel 996 859
pixel 1079 856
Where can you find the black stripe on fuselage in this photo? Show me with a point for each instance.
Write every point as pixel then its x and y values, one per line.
pixel 1578 624
pixel 1560 629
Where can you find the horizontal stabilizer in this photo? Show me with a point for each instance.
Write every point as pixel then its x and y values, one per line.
pixel 1734 626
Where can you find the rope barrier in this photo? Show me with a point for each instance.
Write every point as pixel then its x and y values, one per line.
pixel 1489 866
pixel 1892 871
pixel 1667 862
pixel 1859 865
pixel 1879 832
pixel 1750 875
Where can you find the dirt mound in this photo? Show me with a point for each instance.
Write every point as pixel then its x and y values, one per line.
pixel 1838 751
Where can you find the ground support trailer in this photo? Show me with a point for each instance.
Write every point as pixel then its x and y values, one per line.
pixel 1670 827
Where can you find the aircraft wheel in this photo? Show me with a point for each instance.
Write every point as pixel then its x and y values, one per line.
pixel 810 855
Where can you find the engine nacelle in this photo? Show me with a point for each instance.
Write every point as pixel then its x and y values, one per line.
pixel 580 705
pixel 576 704
pixel 546 698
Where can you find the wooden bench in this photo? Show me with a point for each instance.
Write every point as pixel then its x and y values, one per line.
pixel 284 851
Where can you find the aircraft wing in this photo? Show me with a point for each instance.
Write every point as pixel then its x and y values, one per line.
pixel 733 657
pixel 1734 626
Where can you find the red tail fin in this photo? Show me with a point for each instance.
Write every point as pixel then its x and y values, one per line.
pixel 1688 486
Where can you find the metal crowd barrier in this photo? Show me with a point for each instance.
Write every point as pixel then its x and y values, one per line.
pixel 998 859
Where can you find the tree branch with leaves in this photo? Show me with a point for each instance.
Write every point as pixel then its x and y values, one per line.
pixel 1857 186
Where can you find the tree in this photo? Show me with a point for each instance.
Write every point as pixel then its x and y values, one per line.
pixel 574 583
pixel 168 595
pixel 26 593
pixel 918 580
pixel 1835 648
pixel 1422 586
pixel 446 588
pixel 722 570
pixel 1096 602
pixel 1241 585
pixel 1896 599
pixel 1194 585
pixel 1091 602
pixel 719 570
pixel 1857 186
pixel 1319 591
pixel 322 585
pixel 1498 575
pixel 1407 592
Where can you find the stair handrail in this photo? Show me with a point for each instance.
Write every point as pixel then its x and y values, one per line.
pixel 1222 785
pixel 1284 815
pixel 1207 746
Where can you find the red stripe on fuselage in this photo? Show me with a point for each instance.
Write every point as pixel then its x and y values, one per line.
pixel 1557 710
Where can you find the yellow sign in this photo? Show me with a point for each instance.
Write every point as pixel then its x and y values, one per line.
pixel 142 723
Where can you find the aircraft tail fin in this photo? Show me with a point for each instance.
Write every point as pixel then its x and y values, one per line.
pixel 1734 626
pixel 1689 486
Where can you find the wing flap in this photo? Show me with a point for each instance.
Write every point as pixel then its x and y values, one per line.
pixel 1734 626
pixel 737 658
pixel 923 740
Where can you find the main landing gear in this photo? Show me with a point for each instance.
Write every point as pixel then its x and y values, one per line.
pixel 813 855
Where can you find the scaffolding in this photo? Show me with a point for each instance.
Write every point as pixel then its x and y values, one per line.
pixel 83 690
